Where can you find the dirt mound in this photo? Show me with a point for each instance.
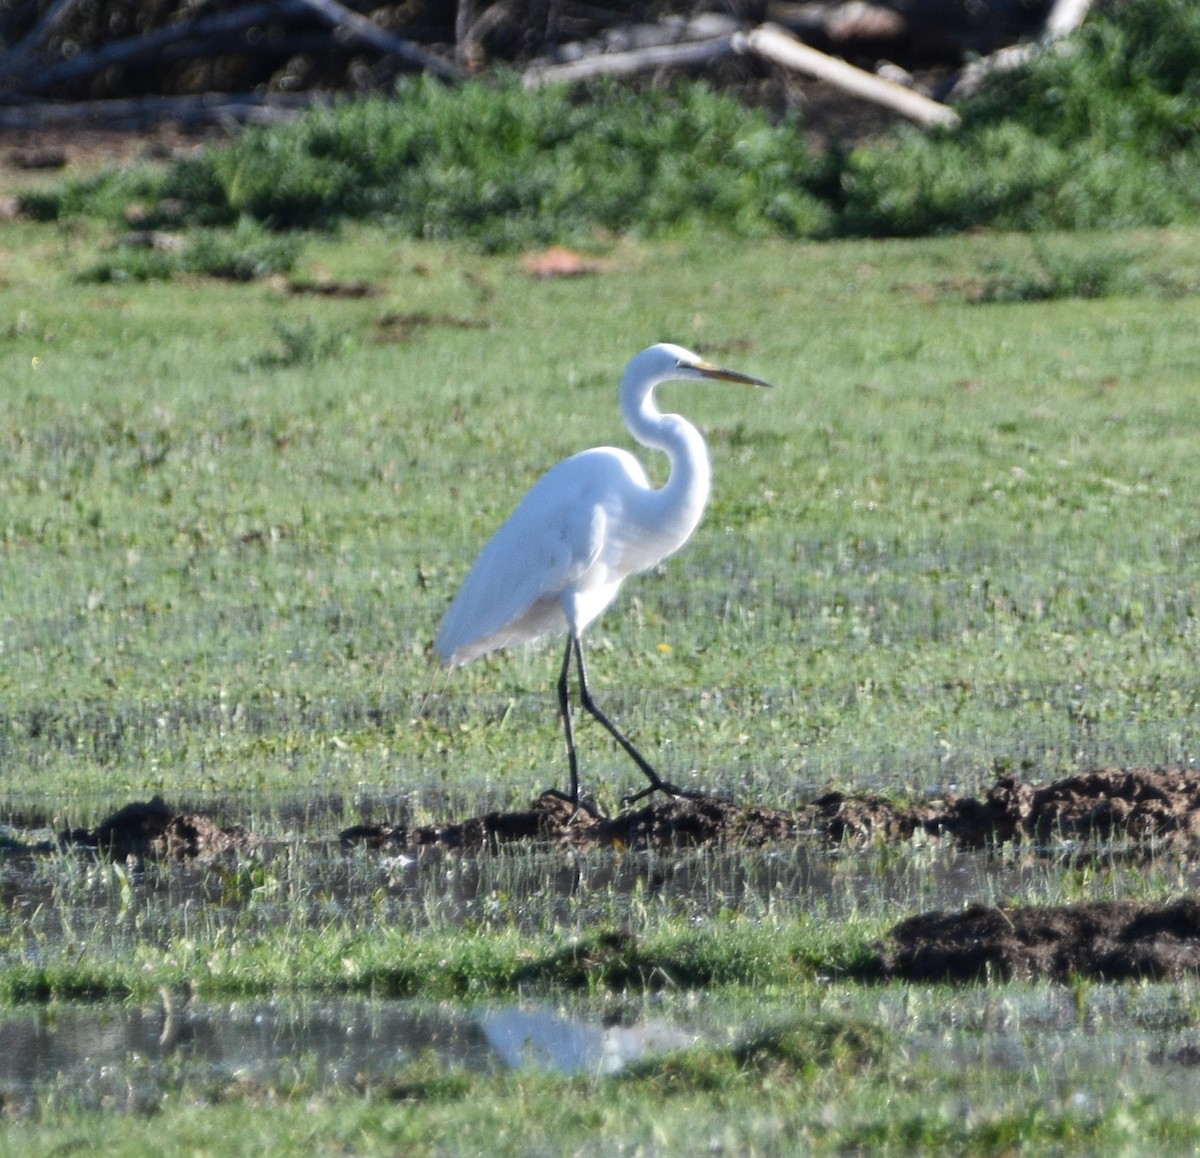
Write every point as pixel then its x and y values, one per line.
pixel 151 829
pixel 1138 806
pixel 551 819
pixel 1141 804
pixel 1104 941
pixel 1108 941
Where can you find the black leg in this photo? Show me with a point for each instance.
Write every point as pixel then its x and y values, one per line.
pixel 657 783
pixel 564 707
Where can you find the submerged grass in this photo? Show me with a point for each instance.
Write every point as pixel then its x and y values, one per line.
pixel 308 921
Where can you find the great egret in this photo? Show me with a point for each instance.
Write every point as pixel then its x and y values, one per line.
pixel 586 525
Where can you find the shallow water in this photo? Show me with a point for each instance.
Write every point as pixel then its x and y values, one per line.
pixel 315 882
pixel 1082 1047
pixel 1142 1039
pixel 120 1057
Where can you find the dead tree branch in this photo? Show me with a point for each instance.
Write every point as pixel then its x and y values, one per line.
pixel 367 31
pixel 211 33
pixel 140 113
pixel 629 63
pixel 21 57
pixel 1065 17
pixel 773 43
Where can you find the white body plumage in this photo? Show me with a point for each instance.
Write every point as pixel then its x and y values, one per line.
pixel 584 527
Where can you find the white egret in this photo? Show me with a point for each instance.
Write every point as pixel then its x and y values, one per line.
pixel 584 526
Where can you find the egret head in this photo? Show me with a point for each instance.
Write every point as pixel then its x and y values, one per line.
pixel 666 362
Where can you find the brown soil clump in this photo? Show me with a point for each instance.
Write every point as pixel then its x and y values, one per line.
pixel 1104 941
pixel 1138 806
pixel 668 823
pixel 1132 806
pixel 150 829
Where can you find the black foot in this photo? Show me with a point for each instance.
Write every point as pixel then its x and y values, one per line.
pixel 662 786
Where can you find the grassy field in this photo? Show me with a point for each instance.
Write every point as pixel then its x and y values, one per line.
pixel 959 535
pixel 956 534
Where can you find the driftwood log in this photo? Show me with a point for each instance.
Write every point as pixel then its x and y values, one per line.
pixel 348 21
pixel 201 36
pixel 140 114
pixel 659 56
pixel 52 54
pixel 22 61
pixel 775 44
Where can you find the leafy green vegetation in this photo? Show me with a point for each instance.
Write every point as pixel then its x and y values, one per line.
pixel 1101 133
pixel 493 163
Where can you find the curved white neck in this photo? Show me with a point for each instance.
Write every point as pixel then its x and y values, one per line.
pixel 679 503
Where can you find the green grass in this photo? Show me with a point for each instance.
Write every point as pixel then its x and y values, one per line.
pixel 955 535
pixel 959 536
pixel 241 254
pixel 240 953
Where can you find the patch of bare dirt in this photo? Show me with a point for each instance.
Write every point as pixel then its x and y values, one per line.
pixel 669 823
pixel 83 148
pixel 1108 941
pixel 401 327
pixel 559 261
pixel 1134 805
pixel 1140 806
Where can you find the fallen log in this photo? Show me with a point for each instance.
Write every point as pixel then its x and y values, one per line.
pixel 1065 17
pixel 658 56
pixel 211 31
pixel 773 43
pixel 140 113
pixel 20 59
pixel 360 28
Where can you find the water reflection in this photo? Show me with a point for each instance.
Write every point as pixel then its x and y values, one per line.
pixel 1142 1039
pixel 551 1041
pixel 118 1057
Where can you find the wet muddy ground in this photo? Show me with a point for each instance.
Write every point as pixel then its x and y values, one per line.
pixel 1125 812
pixel 1156 805
pixel 1143 807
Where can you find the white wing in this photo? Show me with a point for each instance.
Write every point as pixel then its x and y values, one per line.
pixel 557 544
